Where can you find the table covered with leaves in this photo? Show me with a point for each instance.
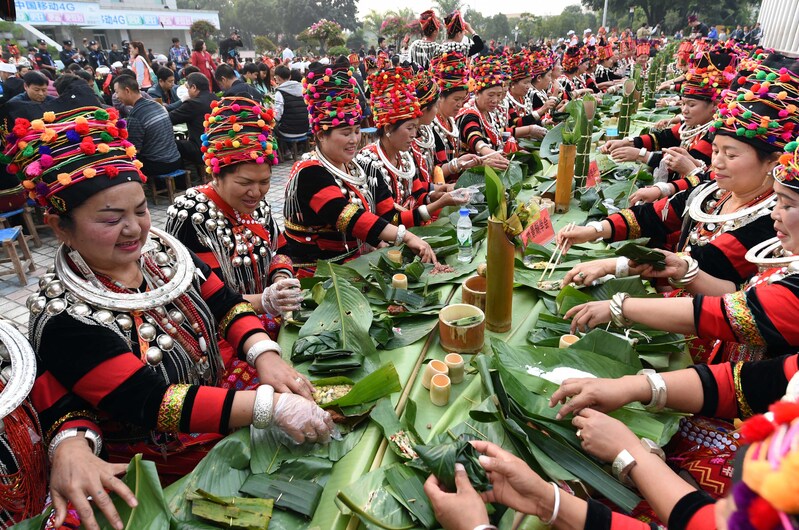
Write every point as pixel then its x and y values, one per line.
pixel 365 343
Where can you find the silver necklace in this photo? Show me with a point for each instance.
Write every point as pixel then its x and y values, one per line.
pixel 182 270
pixel 355 176
pixel 688 134
pixel 408 169
pixel 443 132
pixel 18 351
pixel 425 138
pixel 769 254
pixel 762 207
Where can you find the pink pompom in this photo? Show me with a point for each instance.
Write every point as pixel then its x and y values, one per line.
pixel 310 75
pixel 46 161
pixel 328 71
pixel 260 160
pixel 261 138
pixel 235 107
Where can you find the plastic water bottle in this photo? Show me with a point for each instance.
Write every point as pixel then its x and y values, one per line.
pixel 464 231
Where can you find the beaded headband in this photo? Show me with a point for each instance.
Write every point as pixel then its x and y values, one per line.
pixel 604 52
pixel 571 58
pixel 63 159
pixel 238 130
pixel 393 96
pixel 427 90
pixel 761 108
pixel 450 72
pixel 331 94
pixel 519 64
pixel 787 172
pixel 487 71
pixel 540 62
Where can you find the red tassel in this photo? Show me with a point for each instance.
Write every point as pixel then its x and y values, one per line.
pixel 756 428
pixel 762 515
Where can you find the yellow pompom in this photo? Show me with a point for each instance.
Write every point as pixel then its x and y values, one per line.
pixel 28 184
pixel 130 151
pixel 253 154
pixel 37 125
pixel 80 120
pixel 48 135
pixel 89 173
pixel 261 123
pixel 138 164
pixel 49 117
pixel 65 180
pixel 103 147
pixel 236 127
pixel 236 144
pixel 22 145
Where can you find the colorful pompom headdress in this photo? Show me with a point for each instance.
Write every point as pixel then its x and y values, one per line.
pixel 429 23
pixel 487 71
pixel 427 90
pixel 540 62
pixel 761 108
pixel 450 72
pixel 519 65
pixel 331 93
pixel 63 159
pixel 710 76
pixel 393 96
pixel 238 130
pixel 571 59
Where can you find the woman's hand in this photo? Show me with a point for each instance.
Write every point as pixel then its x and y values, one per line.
pixel 496 160
pixel 603 437
pixel 574 236
pixel 648 194
pixel 77 474
pixel 610 145
pixel 586 273
pixel 513 483
pixel 274 371
pixel 626 154
pixel 283 296
pixel 605 395
pixel 679 160
pixel 676 267
pixel 461 510
pixel 420 247
pixel 468 160
pixel 589 315
pixel 302 419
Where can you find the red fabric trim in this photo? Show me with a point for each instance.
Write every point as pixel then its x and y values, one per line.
pixel 712 322
pixel 107 377
pixel 210 286
pixel 384 206
pixel 406 218
pixel 80 423
pixel 324 196
pixel 209 259
pixel 238 329
pixel 780 304
pixel 207 410
pixel 363 225
pixel 623 522
pixel 703 519
pixel 647 142
pixel 703 146
pixel 728 405
pixel 735 251
pixel 791 366
pixel 46 391
pixel 619 227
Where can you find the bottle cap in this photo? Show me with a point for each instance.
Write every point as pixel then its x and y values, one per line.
pixel 464 211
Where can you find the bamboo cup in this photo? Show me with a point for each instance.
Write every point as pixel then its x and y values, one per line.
pixel 394 256
pixel 440 387
pixel 433 368
pixel 399 281
pixel 567 340
pixel 454 363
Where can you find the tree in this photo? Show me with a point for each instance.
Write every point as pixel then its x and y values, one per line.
pixel 675 11
pixel 445 7
pixel 356 39
pixel 323 32
pixel 263 44
pixel 498 28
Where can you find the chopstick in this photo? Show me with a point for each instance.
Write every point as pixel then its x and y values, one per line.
pixel 554 260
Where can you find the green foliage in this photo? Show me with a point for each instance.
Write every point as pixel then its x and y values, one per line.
pixel 263 44
pixel 672 13
pixel 338 50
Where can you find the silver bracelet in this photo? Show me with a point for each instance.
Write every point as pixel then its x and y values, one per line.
pixel 260 347
pixel 695 171
pixel 485 527
pixel 555 507
pixel 262 408
pixel 659 393
pixel 690 275
pixel 400 235
pixel 617 311
pixel 642 152
pixel 597 225
pixel 94 439
pixel 424 213
pixel 622 267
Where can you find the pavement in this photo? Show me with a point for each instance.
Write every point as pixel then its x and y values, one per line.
pixel 13 295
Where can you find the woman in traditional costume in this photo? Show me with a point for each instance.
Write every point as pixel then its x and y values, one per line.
pixel 333 211
pixel 23 464
pixel 229 225
pixel 424 49
pixel 478 132
pixel 766 476
pixel 389 160
pixel 457 27
pixel 522 121
pixel 540 82
pixel 125 330
pixel 570 79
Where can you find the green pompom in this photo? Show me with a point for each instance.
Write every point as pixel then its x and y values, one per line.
pixel 747 114
pixel 231 133
pixel 760 75
pixel 762 130
pixel 28 152
pixel 739 97
pixel 771 77
pixel 328 99
pixel 100 114
pixel 5 159
pixel 750 133
pixel 773 125
pixel 718 124
pixel 790 147
pixel 104 136
pixel 740 131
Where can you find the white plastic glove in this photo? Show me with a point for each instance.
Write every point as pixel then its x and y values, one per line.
pixel 282 296
pixel 303 420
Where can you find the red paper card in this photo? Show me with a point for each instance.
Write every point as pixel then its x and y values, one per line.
pixel 594 178
pixel 540 232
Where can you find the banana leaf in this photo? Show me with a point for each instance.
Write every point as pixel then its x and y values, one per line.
pixel 307 348
pixel 392 333
pixel 569 297
pixel 495 195
pixel 474 176
pixel 550 145
pixel 394 429
pixel 339 362
pixel 643 255
pixel 344 310
pixel 407 488
pixel 378 384
pixel 440 459
pixel 369 500
pixel 235 512
pixel 301 496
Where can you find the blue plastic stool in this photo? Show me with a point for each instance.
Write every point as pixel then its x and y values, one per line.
pixel 27 219
pixel 9 237
pixel 169 180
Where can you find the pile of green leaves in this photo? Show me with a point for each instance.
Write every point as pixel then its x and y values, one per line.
pixel 643 255
pixel 325 354
pixel 440 459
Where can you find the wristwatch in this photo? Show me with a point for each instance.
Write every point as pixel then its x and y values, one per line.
pixel 653 448
pixel 622 465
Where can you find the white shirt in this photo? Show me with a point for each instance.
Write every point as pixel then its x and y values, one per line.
pixel 287 53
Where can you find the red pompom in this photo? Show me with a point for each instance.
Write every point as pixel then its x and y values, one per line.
pixel 113 131
pixel 123 133
pixel 88 147
pixel 762 515
pixel 111 171
pixel 756 428
pixel 82 128
pixel 113 114
pixel 784 411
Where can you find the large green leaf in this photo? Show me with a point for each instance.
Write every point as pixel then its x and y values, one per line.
pixel 346 310
pixel 495 195
pixel 301 496
pixel 398 333
pixel 440 459
pixel 371 502
pixel 550 145
pixel 374 386
pixel 408 489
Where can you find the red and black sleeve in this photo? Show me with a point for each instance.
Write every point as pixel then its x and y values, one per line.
pixel 600 517
pixel 695 511
pixel 471 132
pixel 658 140
pixel 386 202
pixel 646 220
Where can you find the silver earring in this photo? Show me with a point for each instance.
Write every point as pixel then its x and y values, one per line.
pixel 388 135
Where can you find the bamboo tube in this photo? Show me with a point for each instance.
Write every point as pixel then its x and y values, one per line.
pixel 499 276
pixel 565 179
